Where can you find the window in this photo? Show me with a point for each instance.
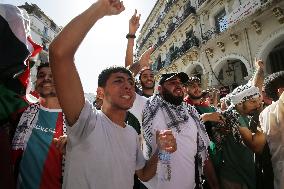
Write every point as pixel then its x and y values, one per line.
pixel 53 26
pixel 189 34
pixel 44 46
pixel 45 29
pixel 159 63
pixel 221 21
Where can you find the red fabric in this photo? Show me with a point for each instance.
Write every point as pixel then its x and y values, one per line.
pixel 202 103
pixel 53 174
pixel 36 47
pixel 16 156
pixel 35 94
pixel 24 77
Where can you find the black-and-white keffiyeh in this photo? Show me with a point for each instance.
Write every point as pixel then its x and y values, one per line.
pixel 243 93
pixel 231 126
pixel 25 127
pixel 174 116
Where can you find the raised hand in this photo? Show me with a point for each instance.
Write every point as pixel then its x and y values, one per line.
pixel 134 23
pixel 145 60
pixel 110 7
pixel 259 64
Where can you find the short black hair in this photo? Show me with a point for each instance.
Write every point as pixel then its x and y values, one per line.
pixel 105 74
pixel 43 65
pixel 272 83
pixel 141 72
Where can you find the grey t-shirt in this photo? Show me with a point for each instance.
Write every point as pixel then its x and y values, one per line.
pixel 100 154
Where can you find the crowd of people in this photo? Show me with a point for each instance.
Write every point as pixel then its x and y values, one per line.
pixel 141 133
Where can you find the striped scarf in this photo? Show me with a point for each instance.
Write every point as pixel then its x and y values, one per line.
pixel 174 116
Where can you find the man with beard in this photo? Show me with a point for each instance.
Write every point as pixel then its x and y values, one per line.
pixel 167 110
pixel 237 168
pixel 147 82
pixel 146 76
pixel 271 131
pixel 210 118
pixel 36 157
pixel 207 113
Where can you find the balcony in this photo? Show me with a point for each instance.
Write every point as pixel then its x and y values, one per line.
pixel 189 43
pixel 244 11
pixel 157 23
pixel 200 2
pixel 160 65
pixel 206 36
pixel 172 27
pixel 189 10
pixel 179 51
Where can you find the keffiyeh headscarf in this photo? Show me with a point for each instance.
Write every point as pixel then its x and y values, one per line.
pixel 243 93
pixel 240 94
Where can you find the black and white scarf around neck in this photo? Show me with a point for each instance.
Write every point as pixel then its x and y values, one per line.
pixel 175 117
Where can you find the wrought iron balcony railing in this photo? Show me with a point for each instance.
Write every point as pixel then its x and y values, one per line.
pixel 178 52
pixel 171 28
pixel 208 35
pixel 157 23
pixel 200 2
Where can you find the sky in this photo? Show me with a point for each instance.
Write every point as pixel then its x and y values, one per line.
pixel 105 44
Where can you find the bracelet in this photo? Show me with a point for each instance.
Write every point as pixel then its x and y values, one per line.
pixel 130 36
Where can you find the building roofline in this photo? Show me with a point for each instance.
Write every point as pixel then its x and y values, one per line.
pixel 149 15
pixel 38 9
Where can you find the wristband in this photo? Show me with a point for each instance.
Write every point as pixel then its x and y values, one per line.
pixel 130 36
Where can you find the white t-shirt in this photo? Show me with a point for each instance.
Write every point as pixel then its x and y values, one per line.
pixel 182 161
pixel 101 154
pixel 272 123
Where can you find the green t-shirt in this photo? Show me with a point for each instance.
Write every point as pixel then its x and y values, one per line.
pixel 208 125
pixel 238 160
pixel 10 103
pixel 216 156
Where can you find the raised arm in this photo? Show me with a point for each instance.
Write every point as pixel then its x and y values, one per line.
pixel 133 27
pixel 62 51
pixel 258 77
pixel 255 141
pixel 144 61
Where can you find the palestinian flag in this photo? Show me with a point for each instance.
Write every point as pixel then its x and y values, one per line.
pixel 15 48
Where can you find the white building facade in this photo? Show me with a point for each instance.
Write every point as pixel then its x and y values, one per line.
pixel 216 40
pixel 43 31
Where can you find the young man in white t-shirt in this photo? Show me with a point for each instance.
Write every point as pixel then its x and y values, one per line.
pixel 102 150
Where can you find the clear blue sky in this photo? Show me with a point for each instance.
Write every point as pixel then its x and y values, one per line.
pixel 105 44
